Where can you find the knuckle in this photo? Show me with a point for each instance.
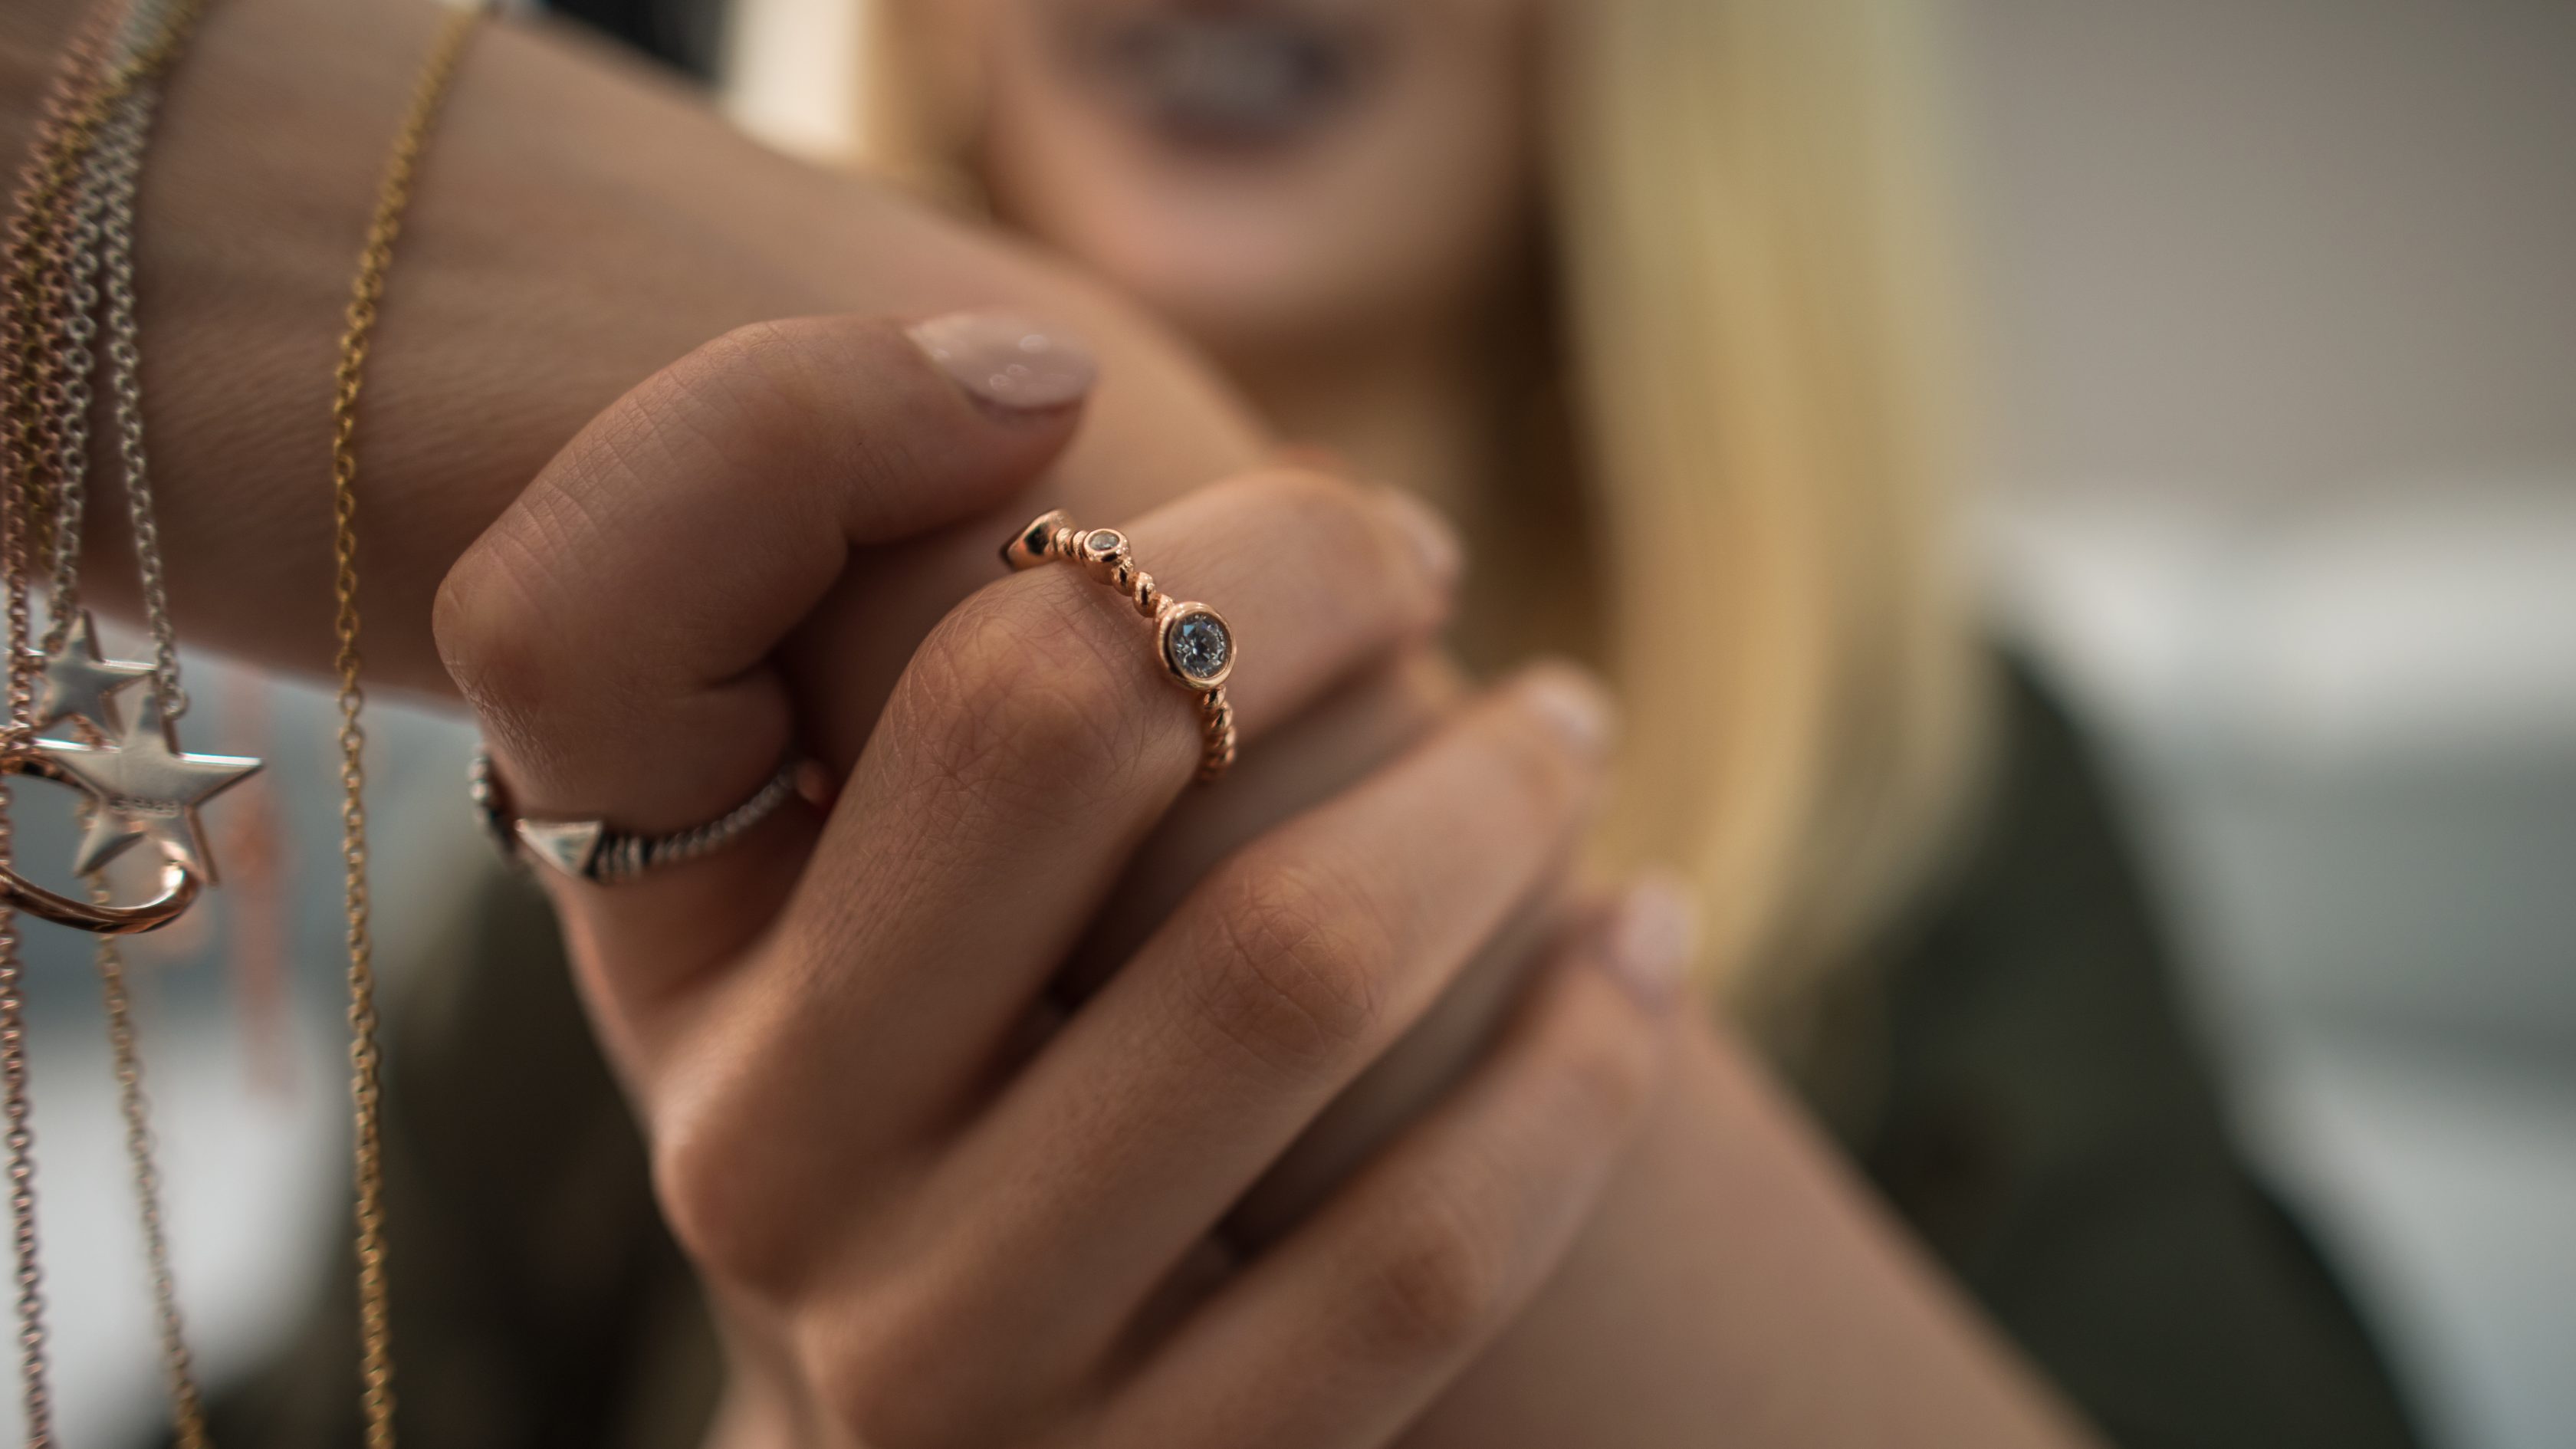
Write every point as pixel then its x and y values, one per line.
pixel 888 1372
pixel 709 1189
pixel 757 398
pixel 1011 693
pixel 483 622
pixel 479 628
pixel 871 1386
pixel 1298 972
pixel 1438 1284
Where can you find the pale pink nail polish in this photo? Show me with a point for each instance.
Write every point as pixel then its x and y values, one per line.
pixel 1434 538
pixel 1009 360
pixel 1651 941
pixel 1568 700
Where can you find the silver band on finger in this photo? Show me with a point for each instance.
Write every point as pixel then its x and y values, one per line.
pixel 594 850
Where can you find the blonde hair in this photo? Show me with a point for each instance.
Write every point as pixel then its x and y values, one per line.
pixel 1754 276
pixel 1757 294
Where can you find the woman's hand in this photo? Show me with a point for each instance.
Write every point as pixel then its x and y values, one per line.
pixel 932 1206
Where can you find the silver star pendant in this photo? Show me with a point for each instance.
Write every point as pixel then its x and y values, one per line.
pixel 144 788
pixel 79 679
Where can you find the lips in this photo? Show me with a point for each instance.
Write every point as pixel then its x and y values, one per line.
pixel 1228 73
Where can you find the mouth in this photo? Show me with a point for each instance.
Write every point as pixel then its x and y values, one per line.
pixel 1228 74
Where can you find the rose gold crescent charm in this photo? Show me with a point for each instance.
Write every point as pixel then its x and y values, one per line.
pixel 180 886
pixel 179 889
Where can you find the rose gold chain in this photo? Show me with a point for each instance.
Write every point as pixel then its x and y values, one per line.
pixel 365 1064
pixel 40 276
pixel 39 263
pixel 30 321
pixel 26 454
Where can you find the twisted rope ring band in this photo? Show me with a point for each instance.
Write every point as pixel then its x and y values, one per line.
pixel 594 850
pixel 1193 642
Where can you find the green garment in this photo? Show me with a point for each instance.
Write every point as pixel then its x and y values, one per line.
pixel 2036 1111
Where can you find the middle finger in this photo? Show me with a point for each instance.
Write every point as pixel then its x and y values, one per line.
pixel 1030 745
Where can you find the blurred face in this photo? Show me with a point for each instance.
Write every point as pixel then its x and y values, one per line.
pixel 1269 174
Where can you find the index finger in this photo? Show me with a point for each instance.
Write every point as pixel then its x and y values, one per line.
pixel 614 627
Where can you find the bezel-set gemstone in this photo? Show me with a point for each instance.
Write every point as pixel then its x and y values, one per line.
pixel 1104 542
pixel 1198 647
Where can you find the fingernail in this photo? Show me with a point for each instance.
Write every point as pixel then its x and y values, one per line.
pixel 1008 360
pixel 1568 699
pixel 1434 538
pixel 1651 941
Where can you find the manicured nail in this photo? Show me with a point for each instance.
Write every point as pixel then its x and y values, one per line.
pixel 1567 698
pixel 1434 538
pixel 1651 941
pixel 1008 360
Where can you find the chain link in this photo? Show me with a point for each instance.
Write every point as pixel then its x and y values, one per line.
pixel 187 1406
pixel 366 297
pixel 86 90
pixel 70 247
pixel 86 135
pixel 125 372
pixel 103 241
pixel 23 495
pixel 72 363
pixel 101 267
pixel 29 322
pixel 36 1401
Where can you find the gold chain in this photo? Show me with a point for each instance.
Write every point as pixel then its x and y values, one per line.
pixel 63 141
pixel 365 1067
pixel 82 99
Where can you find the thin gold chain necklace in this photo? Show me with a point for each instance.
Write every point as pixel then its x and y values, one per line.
pixel 74 228
pixel 393 197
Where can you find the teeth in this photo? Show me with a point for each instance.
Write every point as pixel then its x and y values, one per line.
pixel 1230 78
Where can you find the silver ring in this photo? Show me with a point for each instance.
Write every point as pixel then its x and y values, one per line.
pixel 594 850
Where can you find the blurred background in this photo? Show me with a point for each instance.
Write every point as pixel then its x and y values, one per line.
pixel 2281 301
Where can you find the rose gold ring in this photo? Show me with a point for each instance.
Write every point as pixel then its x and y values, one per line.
pixel 1193 641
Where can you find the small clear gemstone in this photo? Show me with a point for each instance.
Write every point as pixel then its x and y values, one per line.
pixel 1199 646
pixel 1104 542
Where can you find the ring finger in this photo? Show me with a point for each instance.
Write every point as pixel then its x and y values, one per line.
pixel 1287 973
pixel 1030 745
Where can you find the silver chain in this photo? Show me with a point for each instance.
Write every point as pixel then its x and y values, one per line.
pixel 74 364
pixel 103 246
pixel 125 365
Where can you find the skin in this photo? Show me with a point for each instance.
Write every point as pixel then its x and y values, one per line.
pixel 581 224
pixel 578 232
pixel 932 1208
pixel 1340 271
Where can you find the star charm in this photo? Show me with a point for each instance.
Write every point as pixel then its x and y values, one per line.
pixel 145 789
pixel 79 679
